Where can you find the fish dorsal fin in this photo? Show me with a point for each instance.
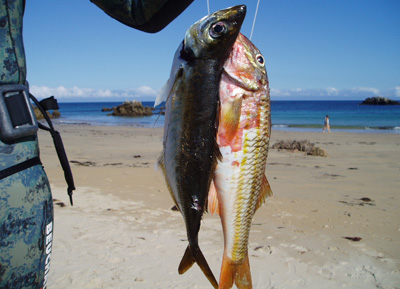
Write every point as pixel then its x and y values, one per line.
pixel 230 114
pixel 213 205
pixel 162 95
pixel 167 91
pixel 169 87
pixel 265 192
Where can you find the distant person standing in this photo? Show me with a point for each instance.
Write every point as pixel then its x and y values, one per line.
pixel 326 124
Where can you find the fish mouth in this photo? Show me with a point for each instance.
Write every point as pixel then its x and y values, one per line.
pixel 240 11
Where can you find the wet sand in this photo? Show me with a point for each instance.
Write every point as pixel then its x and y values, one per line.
pixel 333 222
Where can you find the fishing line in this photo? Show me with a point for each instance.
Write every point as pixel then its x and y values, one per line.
pixel 208 6
pixel 254 22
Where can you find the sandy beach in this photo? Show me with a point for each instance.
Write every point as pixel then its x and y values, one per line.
pixel 333 222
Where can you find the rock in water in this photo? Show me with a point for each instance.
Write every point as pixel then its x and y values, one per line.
pixel 39 115
pixel 132 108
pixel 378 100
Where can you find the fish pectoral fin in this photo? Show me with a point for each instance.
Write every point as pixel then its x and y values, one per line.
pixel 213 204
pixel 216 150
pixel 230 115
pixel 264 193
pixel 194 254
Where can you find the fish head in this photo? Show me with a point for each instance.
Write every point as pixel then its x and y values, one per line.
pixel 244 93
pixel 212 36
pixel 245 66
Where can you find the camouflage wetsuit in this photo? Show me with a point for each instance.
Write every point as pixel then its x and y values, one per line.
pixel 26 209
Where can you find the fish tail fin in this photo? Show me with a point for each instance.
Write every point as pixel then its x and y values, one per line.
pixel 235 273
pixel 186 262
pixel 243 275
pixel 228 272
pixel 194 254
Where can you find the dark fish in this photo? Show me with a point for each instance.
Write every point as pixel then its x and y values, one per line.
pixel 190 150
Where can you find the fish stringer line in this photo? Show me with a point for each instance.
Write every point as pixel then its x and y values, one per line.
pixel 254 21
pixel 154 125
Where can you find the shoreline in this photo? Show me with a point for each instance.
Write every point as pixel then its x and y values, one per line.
pixel 276 127
pixel 286 115
pixel 122 233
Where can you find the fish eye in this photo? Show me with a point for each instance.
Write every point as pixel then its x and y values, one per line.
pixel 218 29
pixel 260 60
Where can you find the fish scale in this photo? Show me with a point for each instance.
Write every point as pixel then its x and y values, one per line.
pixel 240 185
pixel 252 165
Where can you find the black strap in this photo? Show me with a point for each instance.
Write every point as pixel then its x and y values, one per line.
pixel 62 156
pixel 19 167
pixel 49 103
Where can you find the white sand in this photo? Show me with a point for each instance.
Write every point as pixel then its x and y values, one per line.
pixel 121 233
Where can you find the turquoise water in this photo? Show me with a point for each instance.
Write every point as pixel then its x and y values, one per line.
pixel 90 113
pixel 343 115
pixel 286 115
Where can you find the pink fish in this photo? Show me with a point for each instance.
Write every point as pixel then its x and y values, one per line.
pixel 239 184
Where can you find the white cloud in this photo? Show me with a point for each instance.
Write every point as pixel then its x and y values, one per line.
pixel 278 92
pixel 397 91
pixel 332 93
pixel 366 90
pixel 147 93
pixel 91 94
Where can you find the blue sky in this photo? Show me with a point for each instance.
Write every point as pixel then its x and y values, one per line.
pixel 314 49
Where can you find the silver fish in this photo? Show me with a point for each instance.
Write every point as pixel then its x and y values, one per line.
pixel 190 150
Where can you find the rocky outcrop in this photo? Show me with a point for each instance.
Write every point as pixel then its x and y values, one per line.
pixel 294 145
pixel 39 115
pixel 317 151
pixel 130 108
pixel 379 101
pixel 302 145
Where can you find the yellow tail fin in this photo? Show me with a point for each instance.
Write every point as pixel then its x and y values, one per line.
pixel 235 273
pixel 228 272
pixel 243 275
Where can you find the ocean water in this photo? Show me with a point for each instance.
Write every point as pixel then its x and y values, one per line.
pixel 286 115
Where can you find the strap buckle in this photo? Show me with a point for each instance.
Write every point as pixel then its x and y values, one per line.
pixel 17 118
